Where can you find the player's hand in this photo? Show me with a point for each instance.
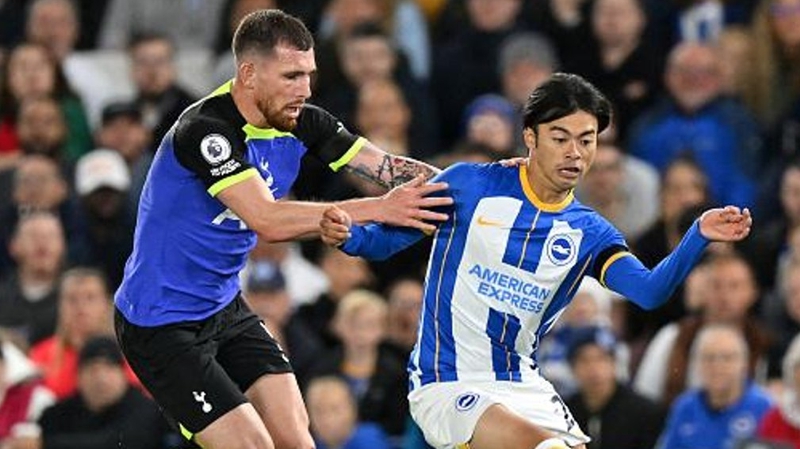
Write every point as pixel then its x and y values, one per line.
pixel 728 224
pixel 334 227
pixel 513 162
pixel 408 204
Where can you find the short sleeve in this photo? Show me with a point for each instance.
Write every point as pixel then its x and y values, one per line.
pixel 326 137
pixel 214 151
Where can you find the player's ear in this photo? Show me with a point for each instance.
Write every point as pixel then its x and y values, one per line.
pixel 246 72
pixel 529 136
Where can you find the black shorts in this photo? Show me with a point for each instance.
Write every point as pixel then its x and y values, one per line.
pixel 198 370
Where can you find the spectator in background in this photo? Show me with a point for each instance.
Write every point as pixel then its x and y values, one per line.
pixel 190 25
pixel 105 412
pixel 32 73
pixel 565 23
pixel 376 378
pixel 401 19
pixel 344 274
pixel 305 281
pixel 776 58
pixel 781 424
pixel 22 397
pixel 28 299
pixel 104 237
pixel 697 119
pixel 726 406
pixel 684 190
pixel 620 61
pixel 266 294
pixel 623 189
pixel 491 120
pixel 233 12
pixel 465 66
pixel 158 95
pixel 123 130
pixel 772 242
pixel 42 129
pixel 405 303
pixel 665 369
pixel 784 318
pixel 38 186
pixel 367 54
pixel 383 116
pixel 526 61
pixel 53 24
pixel 84 311
pixel 736 48
pixel 603 405
pixel 334 418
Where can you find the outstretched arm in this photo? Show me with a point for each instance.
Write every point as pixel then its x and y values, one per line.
pixel 386 169
pixel 625 274
pixel 372 241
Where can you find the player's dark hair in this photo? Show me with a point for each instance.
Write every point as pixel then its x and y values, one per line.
pixel 564 94
pixel 261 31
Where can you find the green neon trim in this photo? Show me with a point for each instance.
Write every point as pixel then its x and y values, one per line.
pixel 185 432
pixel 253 132
pixel 223 89
pixel 349 155
pixel 223 184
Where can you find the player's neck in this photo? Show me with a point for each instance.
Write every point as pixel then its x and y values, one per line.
pixel 723 399
pixel 544 191
pixel 246 105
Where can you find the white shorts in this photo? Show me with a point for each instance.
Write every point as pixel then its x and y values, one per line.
pixel 448 412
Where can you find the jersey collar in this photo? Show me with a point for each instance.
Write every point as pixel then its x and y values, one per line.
pixel 541 205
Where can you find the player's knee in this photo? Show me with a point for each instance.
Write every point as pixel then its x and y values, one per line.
pixel 552 443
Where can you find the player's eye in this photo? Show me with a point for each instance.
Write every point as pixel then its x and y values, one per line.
pixel 560 140
pixel 586 142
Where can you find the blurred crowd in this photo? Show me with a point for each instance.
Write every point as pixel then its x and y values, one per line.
pixel 707 112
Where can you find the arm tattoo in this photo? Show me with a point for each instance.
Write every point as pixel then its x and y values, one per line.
pixel 392 171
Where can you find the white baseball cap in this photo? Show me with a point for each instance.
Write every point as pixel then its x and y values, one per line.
pixel 101 168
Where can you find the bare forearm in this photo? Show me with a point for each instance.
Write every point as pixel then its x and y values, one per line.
pixel 388 170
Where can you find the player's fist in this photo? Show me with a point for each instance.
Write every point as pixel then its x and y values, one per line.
pixel 334 227
pixel 727 224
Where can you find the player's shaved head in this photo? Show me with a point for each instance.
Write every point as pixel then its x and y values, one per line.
pixel 263 30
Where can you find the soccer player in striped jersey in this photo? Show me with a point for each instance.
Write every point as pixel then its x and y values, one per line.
pixel 503 268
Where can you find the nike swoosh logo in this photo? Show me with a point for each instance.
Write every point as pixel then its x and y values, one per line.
pixel 483 221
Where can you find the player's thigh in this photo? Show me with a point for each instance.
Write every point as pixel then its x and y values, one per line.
pixel 277 399
pixel 258 365
pixel 500 428
pixel 240 428
pixel 180 370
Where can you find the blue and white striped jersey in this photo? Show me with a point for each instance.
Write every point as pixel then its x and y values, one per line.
pixel 501 271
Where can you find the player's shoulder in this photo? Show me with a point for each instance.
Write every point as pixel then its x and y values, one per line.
pixel 210 115
pixel 468 169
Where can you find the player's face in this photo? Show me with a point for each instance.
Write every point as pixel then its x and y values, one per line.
pixel 283 84
pixel 561 152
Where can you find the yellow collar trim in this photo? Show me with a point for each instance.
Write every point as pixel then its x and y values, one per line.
pixel 541 205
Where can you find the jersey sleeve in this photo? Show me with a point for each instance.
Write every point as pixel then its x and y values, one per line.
pixel 379 241
pixel 651 288
pixel 214 151
pixel 611 247
pixel 326 137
